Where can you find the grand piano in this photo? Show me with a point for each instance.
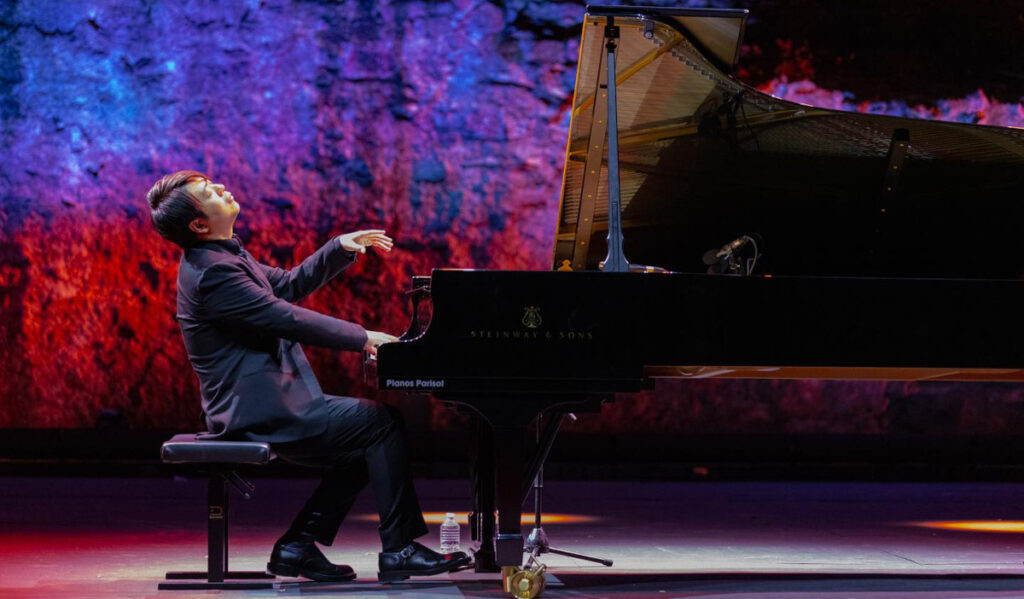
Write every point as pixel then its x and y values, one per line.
pixel 862 247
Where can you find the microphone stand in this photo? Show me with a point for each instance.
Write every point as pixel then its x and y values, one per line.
pixel 537 542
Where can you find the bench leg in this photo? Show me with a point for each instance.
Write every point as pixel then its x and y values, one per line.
pixel 217 548
pixel 216 527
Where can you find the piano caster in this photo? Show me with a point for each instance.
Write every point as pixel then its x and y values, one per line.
pixel 524 583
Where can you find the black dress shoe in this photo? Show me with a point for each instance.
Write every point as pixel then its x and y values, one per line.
pixel 303 558
pixel 417 560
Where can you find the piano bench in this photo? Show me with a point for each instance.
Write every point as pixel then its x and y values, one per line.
pixel 219 459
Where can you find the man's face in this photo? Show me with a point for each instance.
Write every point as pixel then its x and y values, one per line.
pixel 217 204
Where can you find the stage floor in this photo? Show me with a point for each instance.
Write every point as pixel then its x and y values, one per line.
pixel 91 537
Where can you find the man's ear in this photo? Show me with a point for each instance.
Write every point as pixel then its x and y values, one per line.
pixel 199 226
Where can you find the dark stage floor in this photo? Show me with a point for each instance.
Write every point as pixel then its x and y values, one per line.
pixel 87 537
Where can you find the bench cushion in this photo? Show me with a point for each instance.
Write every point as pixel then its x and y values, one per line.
pixel 186 449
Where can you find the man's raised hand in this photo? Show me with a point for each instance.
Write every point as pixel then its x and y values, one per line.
pixel 360 240
pixel 376 338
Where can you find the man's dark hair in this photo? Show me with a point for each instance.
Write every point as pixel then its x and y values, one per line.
pixel 172 207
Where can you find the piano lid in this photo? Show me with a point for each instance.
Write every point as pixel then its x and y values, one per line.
pixel 705 159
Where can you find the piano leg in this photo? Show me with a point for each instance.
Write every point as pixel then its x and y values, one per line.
pixel 482 519
pixel 510 456
pixel 501 455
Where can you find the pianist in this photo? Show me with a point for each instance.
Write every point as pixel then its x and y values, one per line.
pixel 242 333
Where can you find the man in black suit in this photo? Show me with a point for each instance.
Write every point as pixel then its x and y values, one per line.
pixel 242 333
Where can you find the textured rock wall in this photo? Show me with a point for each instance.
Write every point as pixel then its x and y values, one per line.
pixel 443 122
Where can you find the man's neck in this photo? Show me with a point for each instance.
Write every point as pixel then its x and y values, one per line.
pixel 220 237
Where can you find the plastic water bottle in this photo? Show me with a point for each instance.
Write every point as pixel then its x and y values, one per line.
pixel 450 532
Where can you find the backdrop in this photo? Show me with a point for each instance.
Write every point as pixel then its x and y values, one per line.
pixel 442 122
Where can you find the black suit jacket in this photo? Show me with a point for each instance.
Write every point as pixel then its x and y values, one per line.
pixel 242 335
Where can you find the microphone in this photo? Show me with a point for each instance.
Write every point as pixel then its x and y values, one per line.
pixel 727 260
pixel 732 246
pixel 712 256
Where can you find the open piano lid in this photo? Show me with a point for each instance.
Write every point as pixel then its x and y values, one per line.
pixel 705 159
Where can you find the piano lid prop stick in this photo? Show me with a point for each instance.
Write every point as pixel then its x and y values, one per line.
pixel 616 259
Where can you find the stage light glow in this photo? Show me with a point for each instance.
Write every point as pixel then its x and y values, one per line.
pixel 463 518
pixel 973 525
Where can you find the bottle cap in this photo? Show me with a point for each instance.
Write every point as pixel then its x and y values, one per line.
pixel 450 515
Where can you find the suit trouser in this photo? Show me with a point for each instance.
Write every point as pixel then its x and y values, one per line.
pixel 364 442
